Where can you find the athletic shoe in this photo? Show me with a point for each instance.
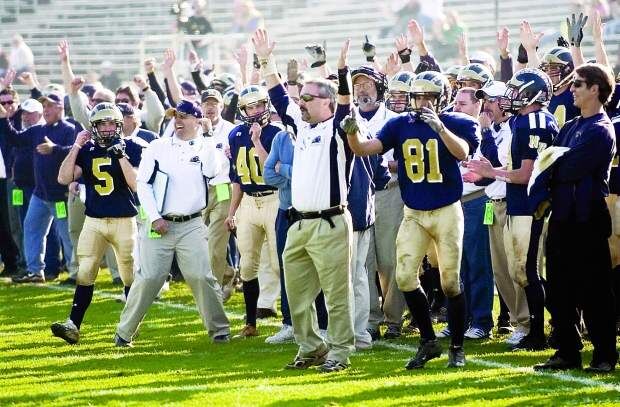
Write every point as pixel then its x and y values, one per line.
pixel 444 333
pixel 284 335
pixel 504 327
pixel 456 356
pixel 411 328
pixel 375 334
pixel 263 313
pixel 516 336
pixel 29 278
pixel 313 359
pixel 247 331
pixel 68 281
pixel 392 332
pixel 67 331
pixel 331 366
pixel 440 315
pixel 601 367
pixel 50 277
pixel 121 343
pixel 117 281
pixel 224 338
pixel 531 343
pixel 429 349
pixel 359 346
pixel 477 333
pixel 556 362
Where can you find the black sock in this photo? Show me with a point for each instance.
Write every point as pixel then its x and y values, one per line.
pixel 504 314
pixel 439 298
pixel 536 304
pixel 321 311
pixel 81 300
pixel 418 306
pixel 456 319
pixel 251 291
pixel 127 291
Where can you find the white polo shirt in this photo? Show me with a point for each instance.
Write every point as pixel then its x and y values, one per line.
pixel 186 163
pixel 497 190
pixel 376 123
pixel 220 138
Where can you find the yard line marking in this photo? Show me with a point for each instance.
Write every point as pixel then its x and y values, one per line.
pixel 487 363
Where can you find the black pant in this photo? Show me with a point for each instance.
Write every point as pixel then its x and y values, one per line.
pixel 8 248
pixel 579 275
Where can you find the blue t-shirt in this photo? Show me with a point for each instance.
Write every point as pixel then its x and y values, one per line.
pixel 563 107
pixel 428 174
pixel 579 178
pixel 107 192
pixel 531 134
pixel 245 168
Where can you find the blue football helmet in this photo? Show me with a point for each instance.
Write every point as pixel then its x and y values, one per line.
pixel 528 86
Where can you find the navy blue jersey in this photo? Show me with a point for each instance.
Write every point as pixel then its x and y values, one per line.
pixel 562 106
pixel 107 192
pixel 579 178
pixel 613 107
pixel 614 175
pixel 531 134
pixel 245 168
pixel 428 174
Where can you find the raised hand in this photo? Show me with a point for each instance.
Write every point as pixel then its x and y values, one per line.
pixel 76 84
pixel 169 59
pixel 149 65
pixel 262 44
pixel 416 32
pixel 7 80
pixel 575 28
pixel 63 51
pixel 597 28
pixel 463 46
pixel 292 71
pixel 196 64
pixel 392 65
pixel 140 82
pixel 529 39
pixel 241 56
pixel 317 53
pixel 370 51
pixel 344 54
pixel 401 42
pixel 28 79
pixel 503 38
pixel 349 123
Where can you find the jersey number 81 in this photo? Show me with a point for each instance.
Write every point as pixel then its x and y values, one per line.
pixel 415 165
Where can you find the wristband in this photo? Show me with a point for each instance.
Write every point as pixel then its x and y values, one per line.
pixel 370 59
pixel 343 82
pixel 522 56
pixel 268 66
pixel 405 55
pixel 502 179
pixel 145 89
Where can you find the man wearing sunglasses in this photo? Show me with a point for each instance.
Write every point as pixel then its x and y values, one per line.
pixel 579 228
pixel 318 242
pixel 185 161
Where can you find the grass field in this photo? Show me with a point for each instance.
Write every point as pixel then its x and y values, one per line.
pixel 174 362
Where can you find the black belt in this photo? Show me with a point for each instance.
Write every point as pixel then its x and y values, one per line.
pixel 181 218
pixel 497 200
pixel 259 194
pixel 294 215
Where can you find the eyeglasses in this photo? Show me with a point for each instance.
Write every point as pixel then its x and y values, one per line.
pixel 363 86
pixel 307 97
pixel 578 82
pixel 6 102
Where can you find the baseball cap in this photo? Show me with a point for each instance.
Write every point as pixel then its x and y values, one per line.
pixel 54 97
pixel 189 87
pixel 495 89
pixel 32 105
pixel 89 90
pixel 211 94
pixel 126 109
pixel 186 107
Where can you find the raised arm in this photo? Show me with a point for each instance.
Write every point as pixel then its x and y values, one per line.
pixel 575 34
pixel 530 41
pixel 264 50
pixel 154 109
pixel 599 44
pixel 168 69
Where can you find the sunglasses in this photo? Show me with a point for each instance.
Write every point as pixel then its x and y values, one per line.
pixel 578 82
pixel 6 102
pixel 306 97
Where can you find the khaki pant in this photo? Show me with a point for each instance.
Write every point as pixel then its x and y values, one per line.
pixel 257 220
pixel 382 259
pixel 317 256
pixel 517 236
pixel 218 234
pixel 188 240
pixel 96 236
pixel 76 216
pixel 512 293
pixel 444 227
pixel 268 282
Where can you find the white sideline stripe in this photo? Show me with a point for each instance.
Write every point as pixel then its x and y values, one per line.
pixel 486 363
pixel 497 365
pixel 109 296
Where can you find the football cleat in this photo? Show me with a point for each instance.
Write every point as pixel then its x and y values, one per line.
pixel 456 356
pixel 67 331
pixel 428 350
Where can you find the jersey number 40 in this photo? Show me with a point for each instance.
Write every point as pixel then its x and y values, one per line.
pixel 415 163
pixel 252 173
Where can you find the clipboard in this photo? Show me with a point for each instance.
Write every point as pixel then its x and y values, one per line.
pixel 160 187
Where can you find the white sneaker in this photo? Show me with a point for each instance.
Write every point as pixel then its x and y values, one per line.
pixel 516 336
pixel 323 333
pixel 283 336
pixel 163 290
pixel 477 333
pixel 444 333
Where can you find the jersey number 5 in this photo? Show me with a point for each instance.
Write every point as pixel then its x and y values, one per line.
pixel 415 166
pixel 105 177
pixel 251 173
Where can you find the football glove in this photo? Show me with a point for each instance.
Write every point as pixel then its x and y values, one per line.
pixel 117 150
pixel 369 50
pixel 575 28
pixel 349 123
pixel 317 53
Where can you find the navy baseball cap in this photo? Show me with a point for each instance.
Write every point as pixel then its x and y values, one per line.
pixel 89 90
pixel 126 109
pixel 186 107
pixel 54 97
pixel 189 87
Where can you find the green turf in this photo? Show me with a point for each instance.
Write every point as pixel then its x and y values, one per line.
pixel 174 362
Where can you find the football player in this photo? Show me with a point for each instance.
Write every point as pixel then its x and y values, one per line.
pixel 533 129
pixel 558 64
pixel 255 203
pixel 474 76
pixel 428 147
pixel 107 164
pixel 398 97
